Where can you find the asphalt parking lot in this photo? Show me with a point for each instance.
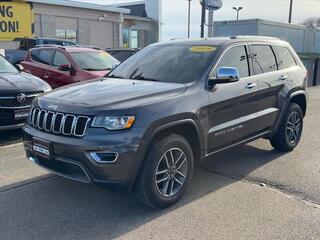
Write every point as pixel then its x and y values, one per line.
pixel 249 192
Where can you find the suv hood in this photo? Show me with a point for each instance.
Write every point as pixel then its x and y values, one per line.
pixel 20 82
pixel 109 94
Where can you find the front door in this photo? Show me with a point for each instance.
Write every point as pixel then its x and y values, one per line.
pixel 233 106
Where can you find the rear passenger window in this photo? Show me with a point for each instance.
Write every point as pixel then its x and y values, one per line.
pixel 263 59
pixel 59 59
pixel 284 57
pixel 45 56
pixel 236 57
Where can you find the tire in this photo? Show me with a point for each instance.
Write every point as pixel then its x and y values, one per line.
pixel 156 168
pixel 288 136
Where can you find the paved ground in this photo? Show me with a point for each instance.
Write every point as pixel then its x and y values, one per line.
pixel 225 200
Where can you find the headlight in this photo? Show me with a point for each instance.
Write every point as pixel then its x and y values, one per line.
pixel 114 123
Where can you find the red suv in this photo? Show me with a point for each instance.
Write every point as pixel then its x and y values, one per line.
pixel 61 66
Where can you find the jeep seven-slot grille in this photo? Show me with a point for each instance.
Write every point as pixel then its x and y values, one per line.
pixel 58 123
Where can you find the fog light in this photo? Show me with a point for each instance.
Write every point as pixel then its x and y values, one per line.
pixel 104 157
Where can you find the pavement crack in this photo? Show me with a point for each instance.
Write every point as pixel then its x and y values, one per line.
pixel 292 193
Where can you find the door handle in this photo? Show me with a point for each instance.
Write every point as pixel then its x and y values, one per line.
pixel 283 77
pixel 251 85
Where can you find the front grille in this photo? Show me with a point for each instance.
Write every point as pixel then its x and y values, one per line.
pixel 10 101
pixel 58 123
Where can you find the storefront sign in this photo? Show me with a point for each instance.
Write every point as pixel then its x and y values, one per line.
pixel 16 20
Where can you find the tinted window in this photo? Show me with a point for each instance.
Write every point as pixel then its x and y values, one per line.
pixel 53 42
pixel 263 59
pixel 45 56
pixel 122 55
pixel 284 57
pixel 236 57
pixel 69 44
pixel 59 59
pixel 166 63
pixel 94 60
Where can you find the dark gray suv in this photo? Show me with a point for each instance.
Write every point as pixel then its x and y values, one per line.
pixel 169 107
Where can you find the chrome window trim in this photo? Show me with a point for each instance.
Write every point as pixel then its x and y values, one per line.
pixel 247 44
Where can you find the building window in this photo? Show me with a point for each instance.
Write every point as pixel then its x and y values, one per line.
pixel 125 35
pixel 134 39
pixel 67 34
pixel 130 38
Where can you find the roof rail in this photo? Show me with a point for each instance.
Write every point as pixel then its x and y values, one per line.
pixel 254 37
pixel 49 45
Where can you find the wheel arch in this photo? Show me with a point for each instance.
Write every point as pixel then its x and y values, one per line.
pixel 159 130
pixel 299 97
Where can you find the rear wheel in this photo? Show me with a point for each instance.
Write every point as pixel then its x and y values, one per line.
pixel 290 130
pixel 166 172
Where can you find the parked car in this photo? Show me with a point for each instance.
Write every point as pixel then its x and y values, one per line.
pixel 167 108
pixel 60 66
pixel 122 54
pixel 17 90
pixel 17 55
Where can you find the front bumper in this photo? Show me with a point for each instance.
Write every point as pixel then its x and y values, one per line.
pixel 71 158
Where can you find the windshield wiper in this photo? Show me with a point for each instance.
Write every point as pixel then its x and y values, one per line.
pixel 144 79
pixel 114 76
pixel 92 69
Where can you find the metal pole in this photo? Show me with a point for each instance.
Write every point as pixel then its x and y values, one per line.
pixel 210 22
pixel 238 15
pixel 290 11
pixel 203 19
pixel 315 73
pixel 189 7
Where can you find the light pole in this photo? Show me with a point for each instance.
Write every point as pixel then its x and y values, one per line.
pixel 203 18
pixel 290 11
pixel 189 7
pixel 237 9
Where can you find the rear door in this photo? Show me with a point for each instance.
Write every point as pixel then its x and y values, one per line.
pixel 233 106
pixel 39 63
pixel 274 69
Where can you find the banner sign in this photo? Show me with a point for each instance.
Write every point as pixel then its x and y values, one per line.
pixel 16 20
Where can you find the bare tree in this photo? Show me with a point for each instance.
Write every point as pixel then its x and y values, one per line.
pixel 312 21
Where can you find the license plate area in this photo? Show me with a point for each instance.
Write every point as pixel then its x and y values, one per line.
pixel 41 148
pixel 21 114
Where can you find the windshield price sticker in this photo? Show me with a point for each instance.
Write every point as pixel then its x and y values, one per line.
pixel 202 49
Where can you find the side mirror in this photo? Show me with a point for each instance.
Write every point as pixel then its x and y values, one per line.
pixel 64 67
pixel 19 67
pixel 225 75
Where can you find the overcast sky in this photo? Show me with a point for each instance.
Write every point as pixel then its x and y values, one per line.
pixel 175 13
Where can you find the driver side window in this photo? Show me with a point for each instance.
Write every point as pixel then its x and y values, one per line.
pixel 236 57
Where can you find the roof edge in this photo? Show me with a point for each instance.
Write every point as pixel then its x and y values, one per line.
pixel 76 4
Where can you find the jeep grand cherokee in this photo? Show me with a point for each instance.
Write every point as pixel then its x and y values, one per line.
pixel 167 108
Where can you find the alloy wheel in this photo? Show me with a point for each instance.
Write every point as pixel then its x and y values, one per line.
pixel 293 127
pixel 171 172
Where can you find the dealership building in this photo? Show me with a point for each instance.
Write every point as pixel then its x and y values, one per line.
pixel 132 25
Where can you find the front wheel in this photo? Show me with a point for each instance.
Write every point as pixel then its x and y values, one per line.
pixel 166 172
pixel 290 130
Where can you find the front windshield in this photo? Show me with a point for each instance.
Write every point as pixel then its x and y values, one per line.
pixel 94 60
pixel 166 63
pixel 6 67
